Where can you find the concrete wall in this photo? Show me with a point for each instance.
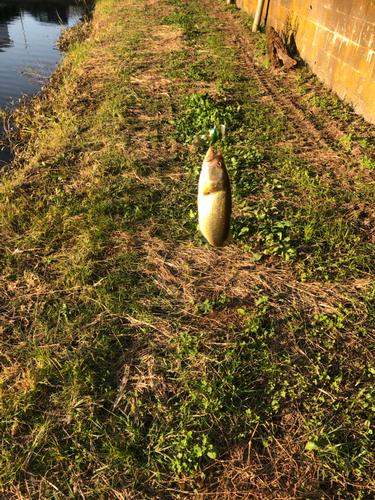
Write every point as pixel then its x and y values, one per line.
pixel 336 38
pixel 248 6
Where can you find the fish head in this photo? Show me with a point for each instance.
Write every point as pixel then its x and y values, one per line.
pixel 215 166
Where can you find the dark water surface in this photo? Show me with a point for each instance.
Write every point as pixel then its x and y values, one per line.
pixel 28 55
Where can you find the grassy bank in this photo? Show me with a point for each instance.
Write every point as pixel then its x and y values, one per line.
pixel 136 362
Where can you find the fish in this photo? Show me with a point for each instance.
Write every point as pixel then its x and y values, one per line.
pixel 214 200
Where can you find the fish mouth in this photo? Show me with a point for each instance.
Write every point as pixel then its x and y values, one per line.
pixel 210 155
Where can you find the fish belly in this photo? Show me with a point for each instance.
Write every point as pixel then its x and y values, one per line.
pixel 214 217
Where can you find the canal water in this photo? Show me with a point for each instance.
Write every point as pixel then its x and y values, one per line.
pixel 28 53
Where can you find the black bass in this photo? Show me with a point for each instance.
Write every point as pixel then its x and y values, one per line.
pixel 214 200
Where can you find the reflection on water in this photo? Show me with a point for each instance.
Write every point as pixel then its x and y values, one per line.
pixel 28 55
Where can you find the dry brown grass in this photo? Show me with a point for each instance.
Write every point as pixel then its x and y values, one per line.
pixel 190 273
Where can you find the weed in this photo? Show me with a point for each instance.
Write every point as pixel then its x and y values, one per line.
pixel 261 45
pixel 368 163
pixel 201 114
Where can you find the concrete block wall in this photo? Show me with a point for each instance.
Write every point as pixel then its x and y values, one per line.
pixel 336 38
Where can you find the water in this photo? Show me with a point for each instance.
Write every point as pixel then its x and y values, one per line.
pixel 28 54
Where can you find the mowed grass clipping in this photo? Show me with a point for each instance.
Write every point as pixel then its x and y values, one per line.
pixel 135 361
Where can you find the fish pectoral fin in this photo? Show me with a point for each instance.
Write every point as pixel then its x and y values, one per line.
pixel 206 189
